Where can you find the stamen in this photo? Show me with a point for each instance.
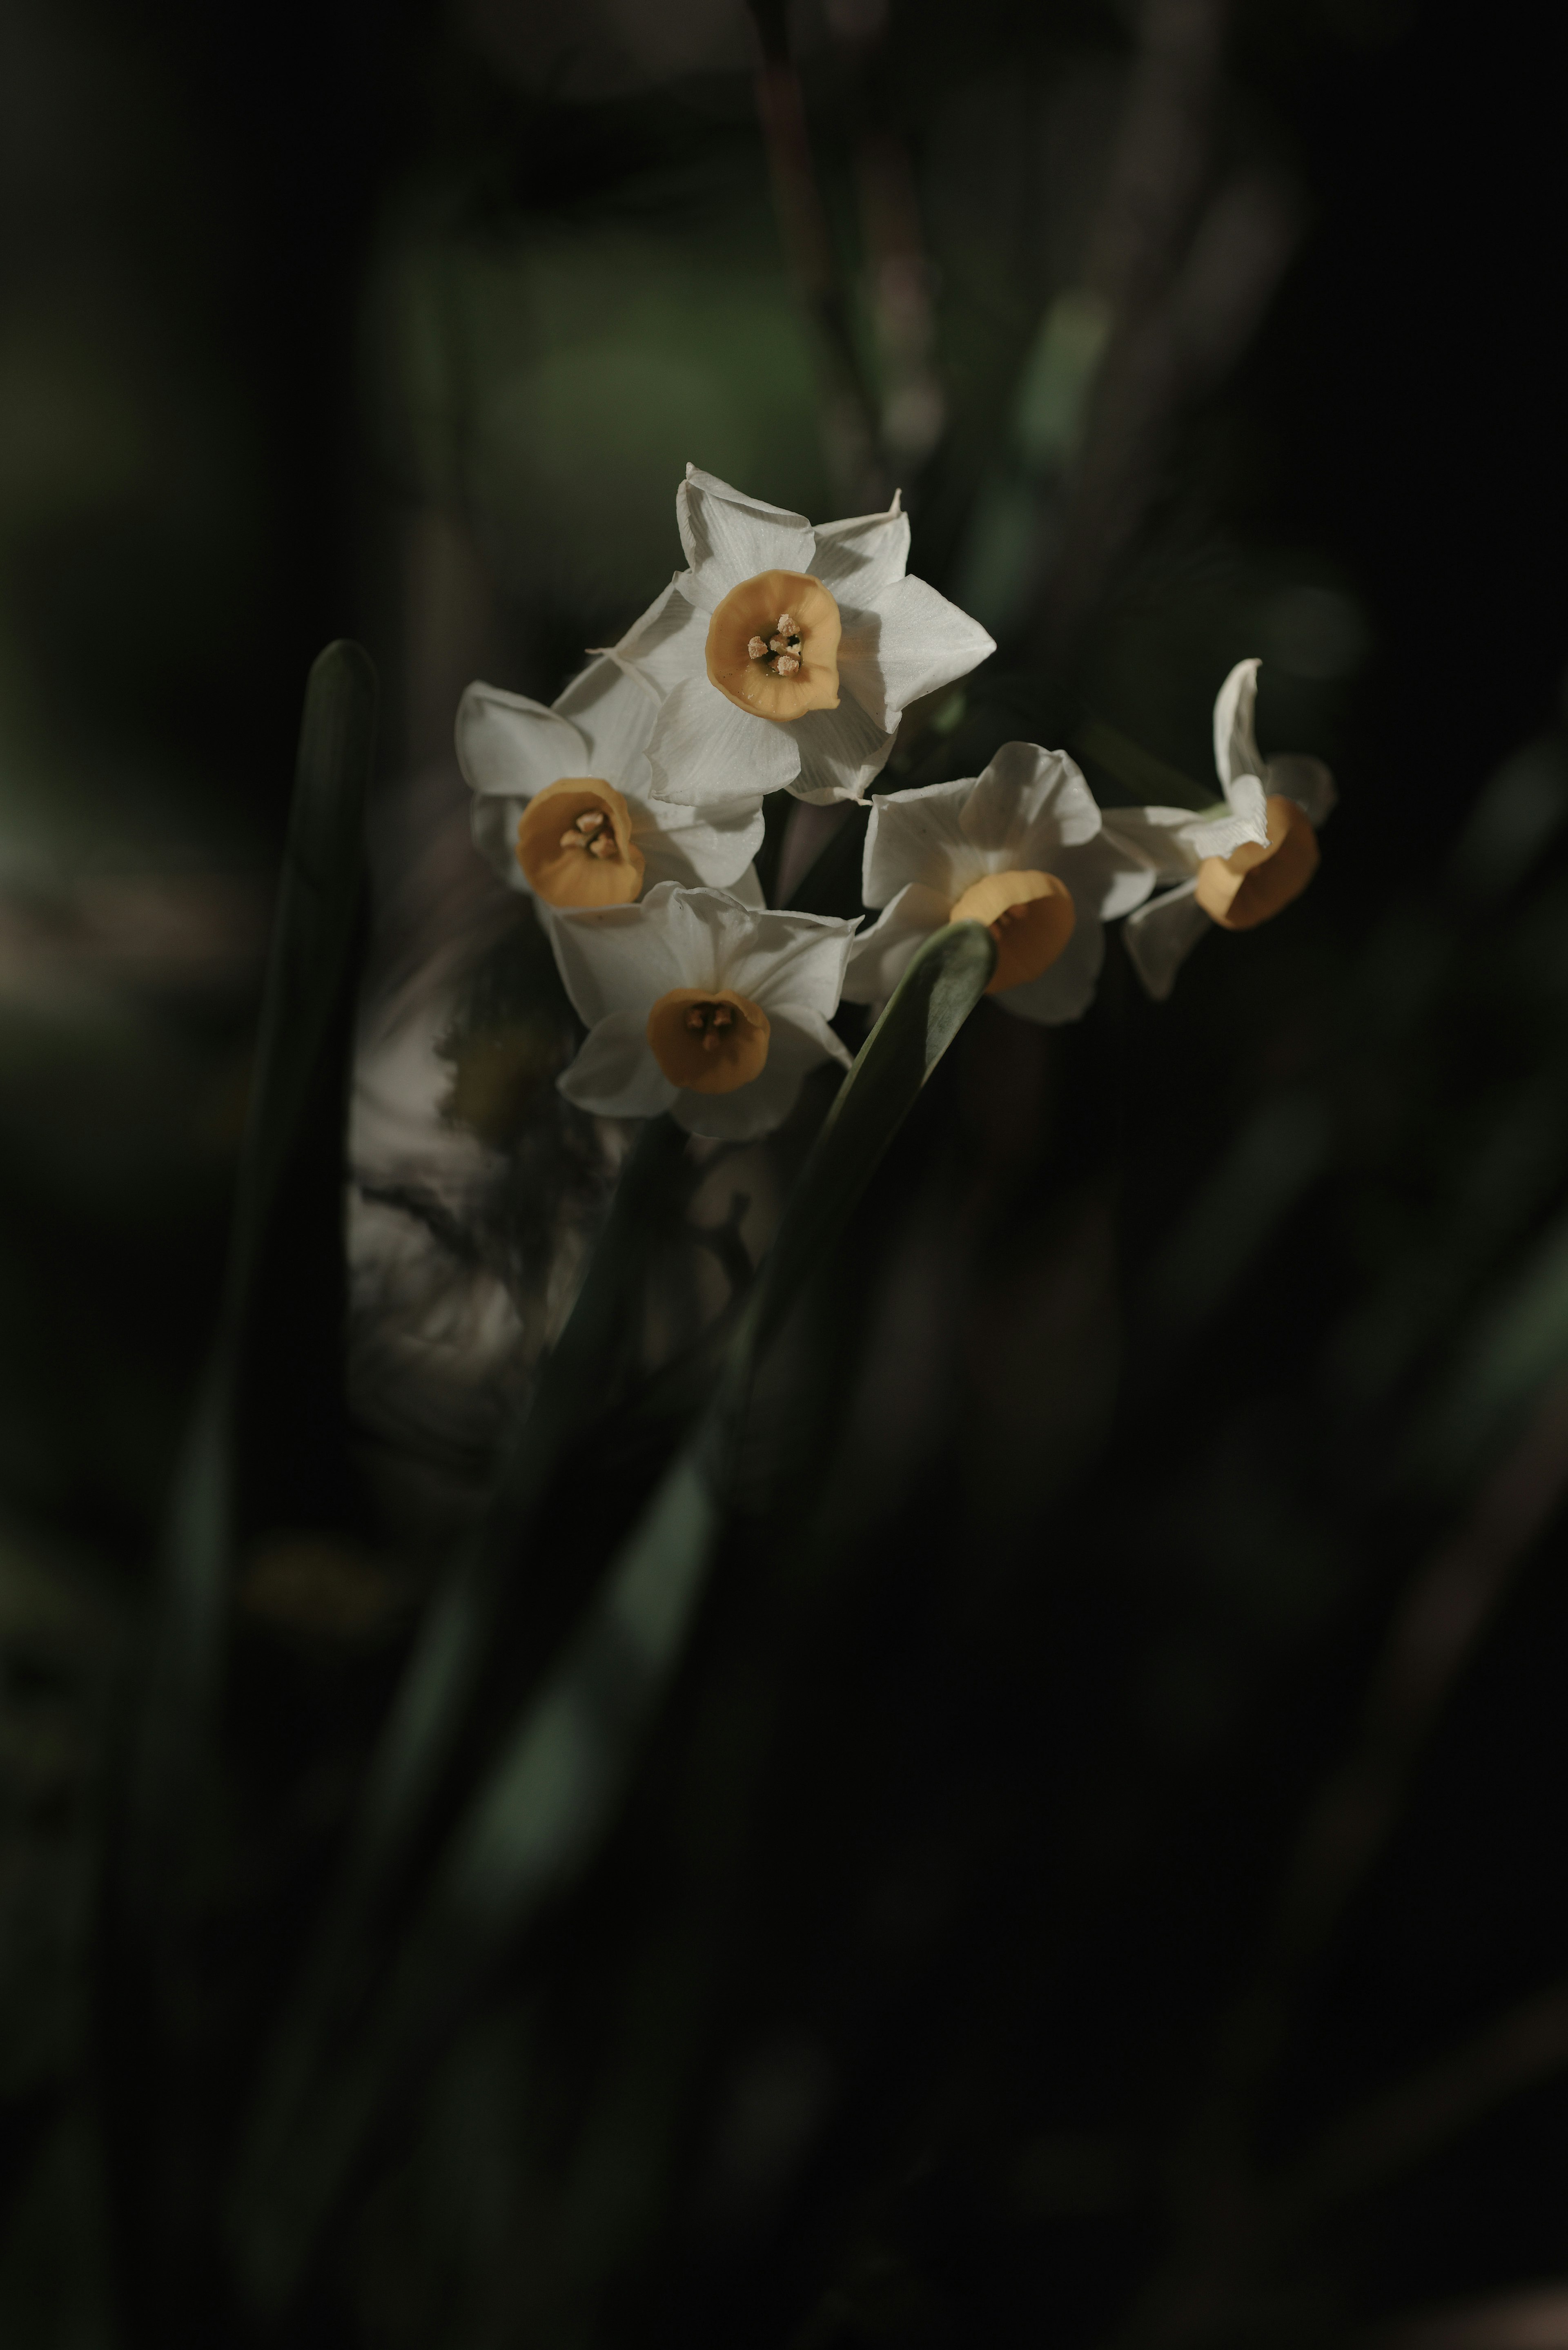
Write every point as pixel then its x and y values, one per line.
pixel 709 1021
pixel 594 861
pixel 776 669
pixel 710 1042
pixel 780 654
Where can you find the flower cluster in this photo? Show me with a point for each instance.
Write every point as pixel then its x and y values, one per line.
pixel 783 657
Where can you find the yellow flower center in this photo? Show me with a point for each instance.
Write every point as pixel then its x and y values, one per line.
pixel 574 845
pixel 773 646
pixel 708 1041
pixel 1254 882
pixel 1030 917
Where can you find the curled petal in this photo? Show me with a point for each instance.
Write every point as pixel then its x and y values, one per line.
pixel 1173 842
pixel 1235 744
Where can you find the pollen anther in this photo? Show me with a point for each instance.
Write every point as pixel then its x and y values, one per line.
pixel 707 1042
pixel 594 861
pixel 776 669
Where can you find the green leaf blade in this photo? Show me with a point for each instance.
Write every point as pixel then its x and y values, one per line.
pixel 550 1794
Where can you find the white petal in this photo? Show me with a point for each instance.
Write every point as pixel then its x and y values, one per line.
pixel 729 537
pixel 802 969
pixel 857 560
pixel 880 957
pixel 1159 837
pixel 774 958
pixel 1307 781
pixel 1028 803
pixel 613 709
pixel 1248 804
pixel 1067 990
pixel 799 1042
pixel 1105 879
pixel 1235 744
pixel 619 958
pixel 1173 842
pixel 668 644
pixel 841 751
pixel 703 750
pixel 615 1074
pixel 506 743
pixel 920 836
pixel 1161 935
pixel 697 848
pixel 495 827
pixel 906 642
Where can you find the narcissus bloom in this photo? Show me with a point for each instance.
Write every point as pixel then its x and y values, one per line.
pixel 1236 866
pixel 562 805
pixel 785 657
pixel 699 1005
pixel 1020 849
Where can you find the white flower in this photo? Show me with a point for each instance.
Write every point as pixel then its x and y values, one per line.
pixel 787 656
pixel 699 1005
pixel 1234 867
pixel 562 805
pixel 1020 849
